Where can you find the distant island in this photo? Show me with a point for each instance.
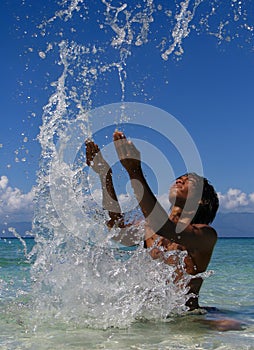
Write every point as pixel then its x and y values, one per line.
pixel 234 224
pixel 226 225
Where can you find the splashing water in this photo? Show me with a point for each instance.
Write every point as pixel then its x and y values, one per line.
pixel 79 277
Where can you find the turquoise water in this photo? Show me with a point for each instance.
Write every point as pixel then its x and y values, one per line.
pixel 230 289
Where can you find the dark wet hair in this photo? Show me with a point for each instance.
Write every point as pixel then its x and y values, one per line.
pixel 209 202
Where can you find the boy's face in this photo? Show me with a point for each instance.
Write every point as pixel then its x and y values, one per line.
pixel 184 187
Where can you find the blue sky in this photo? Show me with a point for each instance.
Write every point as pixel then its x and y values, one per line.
pixel 209 89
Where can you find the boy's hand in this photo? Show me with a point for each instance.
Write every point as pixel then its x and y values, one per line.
pixel 94 158
pixel 128 154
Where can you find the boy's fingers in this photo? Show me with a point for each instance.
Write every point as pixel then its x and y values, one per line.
pixel 118 135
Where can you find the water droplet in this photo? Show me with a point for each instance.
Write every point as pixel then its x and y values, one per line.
pixel 93 71
pixel 139 42
pixel 42 55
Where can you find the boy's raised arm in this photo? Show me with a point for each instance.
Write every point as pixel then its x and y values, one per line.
pixel 155 215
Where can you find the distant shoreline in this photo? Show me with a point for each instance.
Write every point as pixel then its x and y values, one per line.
pixel 12 237
pixel 32 237
pixel 239 237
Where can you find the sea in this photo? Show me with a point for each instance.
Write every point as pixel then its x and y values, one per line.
pixel 69 288
pixel 229 288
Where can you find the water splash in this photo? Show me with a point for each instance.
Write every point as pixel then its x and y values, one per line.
pixel 100 288
pixel 79 278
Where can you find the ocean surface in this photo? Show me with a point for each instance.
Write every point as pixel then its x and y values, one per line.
pixel 230 288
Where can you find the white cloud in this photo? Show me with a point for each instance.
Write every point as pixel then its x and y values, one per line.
pixel 237 201
pixel 3 182
pixel 251 196
pixel 14 205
